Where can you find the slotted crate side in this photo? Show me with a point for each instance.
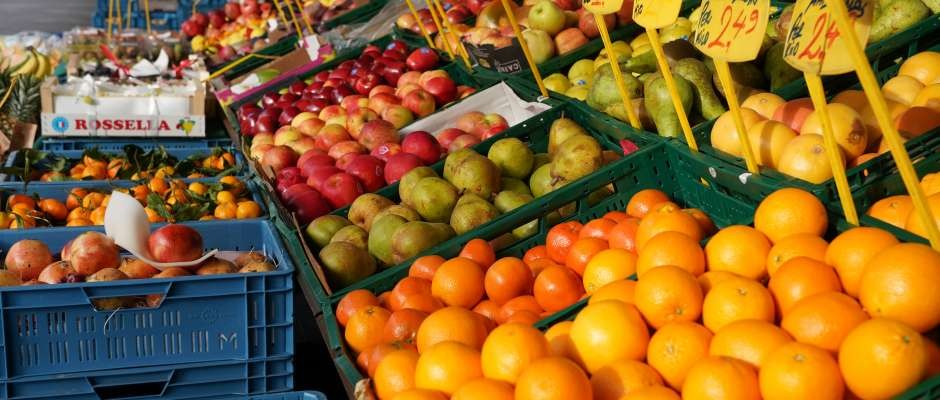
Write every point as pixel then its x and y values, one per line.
pixel 111 144
pixel 203 381
pixel 654 168
pixel 55 329
pixel 307 395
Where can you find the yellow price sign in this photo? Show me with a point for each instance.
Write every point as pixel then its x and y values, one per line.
pixel 814 43
pixel 602 6
pixel 656 14
pixel 731 30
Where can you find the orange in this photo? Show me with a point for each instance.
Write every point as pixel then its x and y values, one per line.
pixel 247 209
pixel 917 121
pixel 92 200
pixel 642 202
pixel 421 302
pixel 539 265
pixel 582 251
pixel 509 349
pixel 799 245
pixel 395 373
pixel 405 288
pixel 608 331
pixel 893 209
pixel 933 355
pixel 901 283
pixel 226 211
pixel 523 317
pixel 671 248
pixel 709 279
pixel 668 294
pixel 224 196
pixel 734 300
pixel 458 282
pixel 447 366
pixel 724 133
pixel 506 279
pixel 158 185
pixel 922 66
pixel 403 325
pixel 852 98
pixel 365 328
pixel 847 127
pixel 560 238
pixel 54 209
pixel 553 378
pixel 484 388
pixel 790 211
pixel 805 158
pixel 97 215
pixel 767 140
pixel 73 222
pixel 928 97
pixel 352 302
pixel 800 371
pixel 881 358
pixel 721 377
pixel 704 221
pixel 675 347
pixel 622 290
pixel 799 278
pixel 152 215
pixel 622 377
pixel 608 266
pixel 519 304
pixel 930 183
pixel 451 324
pixel 425 266
pixel 739 249
pixel 616 216
pixel 914 224
pixel 557 288
pixel 652 393
pixel 598 228
pixel 487 308
pixel 748 340
pixel 480 252
pixel 420 394
pixel 823 319
pixel 851 251
pixel 535 253
pixel 902 89
pixel 74 199
pixel 763 103
pixel 18 198
pixel 664 219
pixel 559 340
pixel 623 236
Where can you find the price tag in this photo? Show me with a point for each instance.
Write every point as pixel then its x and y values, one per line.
pixel 602 6
pixel 814 44
pixel 312 44
pixel 731 30
pixel 656 14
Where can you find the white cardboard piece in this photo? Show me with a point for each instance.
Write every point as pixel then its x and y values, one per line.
pixel 499 99
pixel 125 221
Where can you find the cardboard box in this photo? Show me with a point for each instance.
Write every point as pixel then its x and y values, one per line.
pixel 158 113
pixel 505 60
pixel 293 64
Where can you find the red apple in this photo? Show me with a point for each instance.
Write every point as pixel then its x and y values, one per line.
pixel 232 10
pixel 428 75
pixel 318 174
pixel 333 114
pixel 344 161
pixel 378 132
pixel 341 189
pixel 279 157
pixel 302 145
pixel 403 90
pixel 463 142
pixel 423 145
pixel 464 91
pixel 297 88
pixel 330 135
pixel 309 205
pixel 420 102
pixel 342 148
pixel 422 59
pixel 357 119
pixel 285 135
pixel 398 115
pixel 286 181
pixel 216 19
pixel 310 127
pixel 384 151
pixel 312 105
pixel 175 243
pixel 448 135
pixel 399 164
pixel 569 40
pixel 354 102
pixel 381 89
pixel 409 77
pixel 190 28
pixel 588 25
pixel 287 115
pixel 571 5
pixel 288 195
pixel 315 157
pixel 381 101
pixel 200 19
pixel 370 171
pixel 469 121
pixel 443 89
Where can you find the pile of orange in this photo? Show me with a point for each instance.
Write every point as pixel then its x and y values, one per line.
pixel 105 167
pixel 228 199
pixel 898 210
pixel 772 311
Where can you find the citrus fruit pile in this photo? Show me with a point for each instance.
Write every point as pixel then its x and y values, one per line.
pixel 898 210
pixel 768 311
pixel 164 200
pixel 787 135
pixel 134 164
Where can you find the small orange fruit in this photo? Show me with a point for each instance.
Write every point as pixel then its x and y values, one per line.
pixel 675 347
pixel 560 238
pixel 402 325
pixel 901 283
pixel 484 388
pixel 352 302
pixel 799 245
pixel 598 228
pixel 509 349
pixel 623 236
pixel 420 394
pixel 643 201
pixel 800 371
pixel 535 253
pixel 480 252
pixel 447 366
pixel 668 294
pixel 851 251
pixel 709 279
pixel 734 300
pixel 18 198
pixel 424 267
pixel 608 266
pixel 664 219
pixel 557 288
pixel 553 378
pixel 458 282
pixel 519 304
pixel 739 249
pixel 790 211
pixel 247 209
pixel 892 209
pixel 704 221
pixel 622 377
pixel 487 308
pixel 622 290
pixel 451 324
pixel 726 377
pixel 582 251
pixel 395 373
pixel 559 340
pixel 799 278
pixel 616 216
pixel 506 279
pixel 823 319
pixel 914 224
pixel 881 358
pixel 365 328
pixel 226 211
pixel 54 209
pixel 608 331
pixel 671 248
pixel 748 340
pixel 652 393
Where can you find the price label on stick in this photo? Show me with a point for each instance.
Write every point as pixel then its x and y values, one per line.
pixel 655 14
pixel 731 30
pixel 602 6
pixel 814 44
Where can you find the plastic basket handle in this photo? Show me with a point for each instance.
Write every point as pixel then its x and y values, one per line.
pixel 93 292
pixel 120 387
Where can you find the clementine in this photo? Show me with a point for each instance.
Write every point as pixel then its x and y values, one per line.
pixel 451 324
pixel 739 249
pixel 557 288
pixel 734 300
pixel 901 283
pixel 799 245
pixel 458 282
pixel 642 202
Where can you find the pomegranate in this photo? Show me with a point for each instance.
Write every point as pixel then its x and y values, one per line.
pixel 91 252
pixel 174 243
pixel 28 258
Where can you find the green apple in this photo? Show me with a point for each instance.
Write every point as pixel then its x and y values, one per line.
pixel 578 92
pixel 540 45
pixel 557 83
pixel 581 68
pixel 547 16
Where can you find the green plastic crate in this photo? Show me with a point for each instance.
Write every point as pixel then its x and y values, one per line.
pixel 650 168
pixel 283 46
pixel 357 15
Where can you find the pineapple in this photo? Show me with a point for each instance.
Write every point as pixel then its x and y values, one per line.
pixel 6 122
pixel 23 104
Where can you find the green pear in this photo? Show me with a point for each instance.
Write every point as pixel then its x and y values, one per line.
pixel 408 181
pixel 561 130
pixel 476 174
pixel 365 207
pixel 400 210
pixel 322 229
pixel 434 199
pixel 513 157
pixel 578 156
pixel 472 214
pixel 345 264
pixel 515 185
pixel 541 180
pixel 380 238
pixel 352 234
pixel 412 238
pixel 453 161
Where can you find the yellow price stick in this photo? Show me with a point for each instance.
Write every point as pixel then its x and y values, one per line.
pixel 732 31
pixel 303 16
pixel 440 31
pixel 450 31
pixel 599 8
pixel 293 18
pixel 280 14
pixel 129 14
pixel 424 30
pixel 652 17
pixel 110 21
pixel 880 107
pixel 147 14
pixel 525 48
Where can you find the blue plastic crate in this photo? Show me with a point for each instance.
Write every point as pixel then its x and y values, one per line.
pixel 159 20
pixel 180 153
pixel 55 329
pixel 218 380
pixel 308 395
pixel 112 144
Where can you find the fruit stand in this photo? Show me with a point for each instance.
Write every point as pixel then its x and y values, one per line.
pixel 539 199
